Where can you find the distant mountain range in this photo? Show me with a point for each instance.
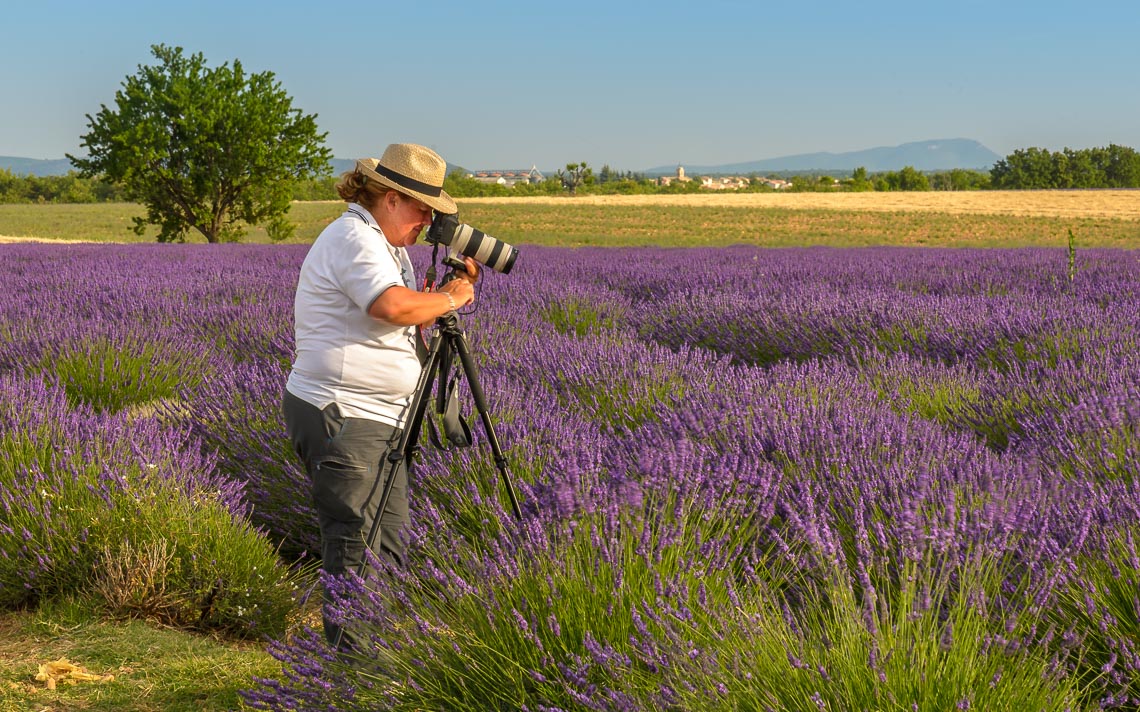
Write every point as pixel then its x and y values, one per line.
pixel 937 155
pixel 35 166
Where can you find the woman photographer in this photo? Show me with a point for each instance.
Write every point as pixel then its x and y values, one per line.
pixel 356 366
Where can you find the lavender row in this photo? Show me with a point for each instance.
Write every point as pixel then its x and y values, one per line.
pixel 700 437
pixel 862 462
pixel 100 493
pixel 648 561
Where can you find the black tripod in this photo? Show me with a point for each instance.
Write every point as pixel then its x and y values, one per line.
pixel 447 340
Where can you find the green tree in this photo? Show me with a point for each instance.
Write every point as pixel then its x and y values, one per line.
pixel 906 179
pixel 13 188
pixel 803 183
pixel 963 179
pixel 859 181
pixel 203 149
pixel 576 175
pixel 959 179
pixel 911 179
pixel 1026 168
pixel 1121 166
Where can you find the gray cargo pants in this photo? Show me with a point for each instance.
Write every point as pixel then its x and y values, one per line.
pixel 346 460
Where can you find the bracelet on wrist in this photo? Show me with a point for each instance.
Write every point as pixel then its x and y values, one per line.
pixel 450 300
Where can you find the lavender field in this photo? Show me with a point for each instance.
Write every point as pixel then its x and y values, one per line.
pixel 797 479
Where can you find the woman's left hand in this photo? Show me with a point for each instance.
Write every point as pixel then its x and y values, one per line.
pixel 472 273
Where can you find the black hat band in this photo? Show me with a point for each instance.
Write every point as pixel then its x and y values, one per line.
pixel 410 183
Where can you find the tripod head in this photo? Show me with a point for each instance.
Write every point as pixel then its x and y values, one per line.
pixel 455 264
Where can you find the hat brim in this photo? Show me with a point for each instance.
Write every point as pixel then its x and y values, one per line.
pixel 442 203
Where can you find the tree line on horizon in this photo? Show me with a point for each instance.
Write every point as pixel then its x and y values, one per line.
pixel 1034 168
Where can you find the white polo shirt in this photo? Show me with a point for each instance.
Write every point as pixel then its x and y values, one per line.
pixel 368 367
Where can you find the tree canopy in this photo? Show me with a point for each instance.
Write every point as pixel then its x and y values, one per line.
pixel 1037 168
pixel 204 149
pixel 575 175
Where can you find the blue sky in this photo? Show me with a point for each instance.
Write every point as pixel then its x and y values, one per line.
pixel 504 84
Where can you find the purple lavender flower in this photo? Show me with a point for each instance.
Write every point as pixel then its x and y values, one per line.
pixel 689 460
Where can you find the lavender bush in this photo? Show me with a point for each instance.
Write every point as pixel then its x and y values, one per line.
pixel 82 492
pixel 763 479
pixel 98 495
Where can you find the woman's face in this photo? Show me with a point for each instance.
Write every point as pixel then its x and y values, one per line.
pixel 407 218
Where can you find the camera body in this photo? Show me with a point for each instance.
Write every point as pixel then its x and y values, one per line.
pixel 446 229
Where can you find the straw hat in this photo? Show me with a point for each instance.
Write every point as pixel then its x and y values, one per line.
pixel 412 170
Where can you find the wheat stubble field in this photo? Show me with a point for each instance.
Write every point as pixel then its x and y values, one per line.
pixel 1123 204
pixel 934 219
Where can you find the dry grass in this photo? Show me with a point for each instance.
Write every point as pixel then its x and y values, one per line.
pixel 581 222
pixel 1109 218
pixel 155 669
pixel 1120 204
pixel 11 238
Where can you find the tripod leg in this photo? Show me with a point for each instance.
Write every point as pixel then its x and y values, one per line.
pixel 460 345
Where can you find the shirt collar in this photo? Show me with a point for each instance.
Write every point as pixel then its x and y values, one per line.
pixel 361 212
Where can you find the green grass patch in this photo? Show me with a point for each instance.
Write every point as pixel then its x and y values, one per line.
pixel 155 669
pixel 1049 349
pixel 111 222
pixel 940 400
pixel 110 377
pixel 1101 601
pixel 577 316
pixel 926 645
pixel 478 651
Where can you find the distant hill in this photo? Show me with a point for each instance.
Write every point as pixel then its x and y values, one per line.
pixel 922 155
pixel 340 165
pixel 35 166
pixel 934 155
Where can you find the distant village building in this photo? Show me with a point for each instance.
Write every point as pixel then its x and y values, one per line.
pixel 724 183
pixel 509 177
pixel 680 177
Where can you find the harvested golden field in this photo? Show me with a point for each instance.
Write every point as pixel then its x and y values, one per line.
pixel 1008 219
pixel 1123 204
pixel 933 219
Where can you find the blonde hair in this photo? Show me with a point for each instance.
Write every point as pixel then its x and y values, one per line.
pixel 355 187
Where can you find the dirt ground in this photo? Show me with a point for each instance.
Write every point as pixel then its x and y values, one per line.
pixel 1121 204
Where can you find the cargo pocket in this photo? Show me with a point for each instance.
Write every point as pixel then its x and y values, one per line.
pixel 343 475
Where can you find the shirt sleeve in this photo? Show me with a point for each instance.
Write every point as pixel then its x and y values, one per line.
pixel 365 267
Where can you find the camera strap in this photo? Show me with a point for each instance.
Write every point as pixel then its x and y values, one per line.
pixel 456 431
